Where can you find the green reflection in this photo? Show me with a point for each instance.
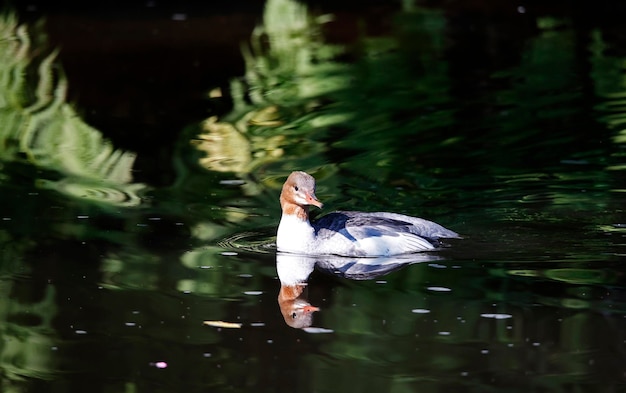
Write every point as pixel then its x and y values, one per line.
pixel 44 145
pixel 579 276
pixel 278 104
pixel 28 339
pixel 41 128
pixel 378 139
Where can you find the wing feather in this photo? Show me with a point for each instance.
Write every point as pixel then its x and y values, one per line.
pixel 377 233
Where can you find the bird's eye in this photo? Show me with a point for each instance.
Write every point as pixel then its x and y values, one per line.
pixel 295 188
pixel 294 315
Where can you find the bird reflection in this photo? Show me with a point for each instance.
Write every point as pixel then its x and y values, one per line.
pixel 294 271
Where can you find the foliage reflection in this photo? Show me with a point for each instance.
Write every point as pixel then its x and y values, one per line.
pixel 520 144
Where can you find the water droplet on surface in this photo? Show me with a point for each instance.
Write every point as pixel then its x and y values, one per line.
pixel 439 289
pixel 234 182
pixel 496 316
pixel 318 330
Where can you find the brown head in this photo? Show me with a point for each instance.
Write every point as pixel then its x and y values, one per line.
pixel 298 194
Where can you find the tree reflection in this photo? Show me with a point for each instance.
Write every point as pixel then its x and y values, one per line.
pixel 40 128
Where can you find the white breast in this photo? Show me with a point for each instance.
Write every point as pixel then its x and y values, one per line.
pixel 294 235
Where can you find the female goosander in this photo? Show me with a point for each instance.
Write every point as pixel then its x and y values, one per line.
pixel 348 233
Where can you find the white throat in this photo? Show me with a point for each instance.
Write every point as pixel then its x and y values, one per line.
pixel 294 234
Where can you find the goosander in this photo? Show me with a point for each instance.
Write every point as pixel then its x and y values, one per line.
pixel 348 233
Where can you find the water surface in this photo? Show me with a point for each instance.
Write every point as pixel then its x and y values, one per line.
pixel 505 127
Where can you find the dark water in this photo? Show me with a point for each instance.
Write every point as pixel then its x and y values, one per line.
pixel 132 212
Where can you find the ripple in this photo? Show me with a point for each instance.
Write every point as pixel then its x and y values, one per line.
pixel 94 191
pixel 255 242
pixel 618 227
pixel 579 276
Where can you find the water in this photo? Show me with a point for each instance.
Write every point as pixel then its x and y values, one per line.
pixel 146 263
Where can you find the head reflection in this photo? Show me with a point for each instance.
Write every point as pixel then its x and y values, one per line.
pixel 294 271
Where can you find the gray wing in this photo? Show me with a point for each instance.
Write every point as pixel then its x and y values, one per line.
pixel 357 228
